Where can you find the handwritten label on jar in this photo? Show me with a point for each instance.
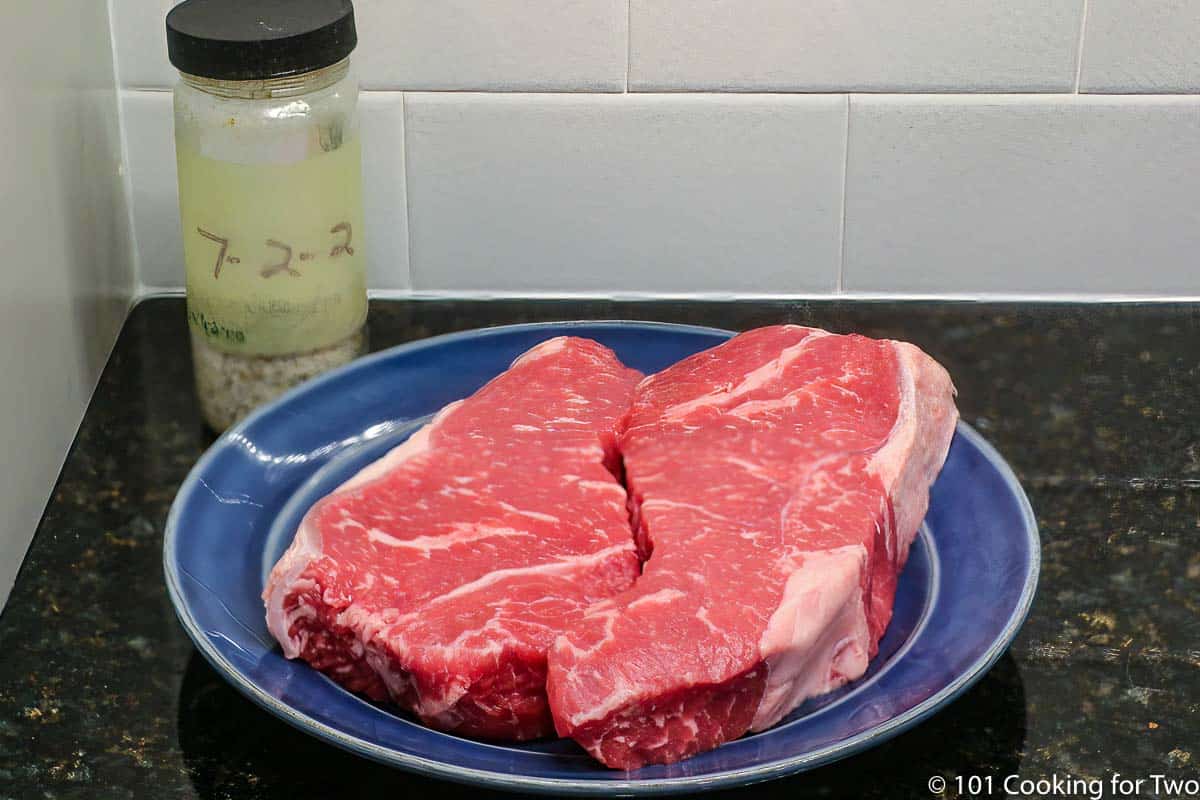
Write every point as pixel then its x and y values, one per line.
pixel 273 252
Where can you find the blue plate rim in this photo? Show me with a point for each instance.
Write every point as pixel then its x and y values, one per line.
pixel 488 778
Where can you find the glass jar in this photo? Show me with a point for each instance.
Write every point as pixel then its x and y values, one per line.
pixel 270 195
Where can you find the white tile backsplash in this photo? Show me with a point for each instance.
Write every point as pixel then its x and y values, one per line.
pixel 149 138
pixel 679 146
pixel 492 45
pixel 856 45
pixel 1023 194
pixel 140 35
pixel 151 143
pixel 1138 46
pixel 625 193
pixel 381 121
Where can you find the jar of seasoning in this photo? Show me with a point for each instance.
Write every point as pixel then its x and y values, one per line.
pixel 270 195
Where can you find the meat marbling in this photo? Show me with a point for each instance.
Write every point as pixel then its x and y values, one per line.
pixel 440 575
pixel 777 483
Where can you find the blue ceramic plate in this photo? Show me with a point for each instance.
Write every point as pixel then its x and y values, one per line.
pixel 967 587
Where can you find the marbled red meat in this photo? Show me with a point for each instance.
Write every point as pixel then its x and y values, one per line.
pixel 777 481
pixel 439 575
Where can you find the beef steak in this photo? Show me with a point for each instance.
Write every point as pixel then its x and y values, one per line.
pixel 439 575
pixel 777 482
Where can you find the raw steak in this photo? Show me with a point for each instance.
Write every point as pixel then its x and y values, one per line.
pixel 439 575
pixel 777 481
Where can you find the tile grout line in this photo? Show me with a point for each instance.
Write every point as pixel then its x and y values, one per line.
pixel 126 174
pixel 1081 298
pixel 1079 50
pixel 628 40
pixel 958 94
pixel 408 231
pixel 839 285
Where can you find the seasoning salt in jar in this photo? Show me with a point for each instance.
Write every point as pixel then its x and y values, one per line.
pixel 270 195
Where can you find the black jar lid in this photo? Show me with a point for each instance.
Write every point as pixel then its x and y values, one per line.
pixel 246 40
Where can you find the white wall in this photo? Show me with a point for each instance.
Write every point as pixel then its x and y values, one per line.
pixel 64 228
pixel 616 146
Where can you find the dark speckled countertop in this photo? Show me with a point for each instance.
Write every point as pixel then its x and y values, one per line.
pixel 1097 407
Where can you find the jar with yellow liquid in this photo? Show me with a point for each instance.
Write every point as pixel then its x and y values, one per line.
pixel 270 195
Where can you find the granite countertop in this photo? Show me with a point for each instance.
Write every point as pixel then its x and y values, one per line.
pixel 1097 407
